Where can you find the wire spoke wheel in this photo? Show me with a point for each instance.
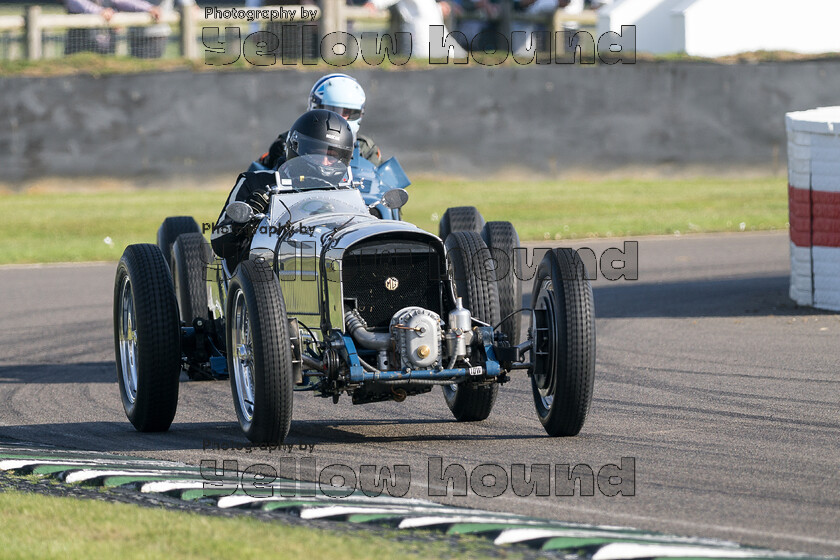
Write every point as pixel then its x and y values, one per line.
pixel 259 353
pixel 128 340
pixel 147 338
pixel 243 362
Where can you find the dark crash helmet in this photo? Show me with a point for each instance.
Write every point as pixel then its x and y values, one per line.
pixel 320 132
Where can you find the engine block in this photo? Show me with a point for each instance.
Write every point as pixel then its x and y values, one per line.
pixel 416 333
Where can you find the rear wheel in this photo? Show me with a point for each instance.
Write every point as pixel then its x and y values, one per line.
pixel 191 254
pixel 502 240
pixel 460 218
pixel 259 353
pixel 564 356
pixel 146 338
pixel 169 231
pixel 476 284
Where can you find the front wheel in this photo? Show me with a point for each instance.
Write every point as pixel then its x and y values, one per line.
pixel 503 241
pixel 259 353
pixel 191 254
pixel 146 338
pixel 564 345
pixel 475 283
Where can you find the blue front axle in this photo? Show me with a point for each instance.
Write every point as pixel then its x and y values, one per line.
pixel 358 374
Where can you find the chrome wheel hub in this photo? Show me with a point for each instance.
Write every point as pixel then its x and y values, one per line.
pixel 128 341
pixel 546 350
pixel 243 358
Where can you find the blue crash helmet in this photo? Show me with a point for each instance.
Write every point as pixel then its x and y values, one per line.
pixel 341 94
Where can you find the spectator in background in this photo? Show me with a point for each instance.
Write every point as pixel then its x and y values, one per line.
pixel 417 16
pixel 101 41
pixel 253 4
pixel 487 10
pixel 294 45
pixel 150 41
pixel 522 44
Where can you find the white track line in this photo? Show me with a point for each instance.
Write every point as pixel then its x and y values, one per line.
pixel 84 475
pixel 236 501
pixel 487 517
pixel 629 551
pixel 334 511
pixel 12 464
pixel 160 486
pixel 521 535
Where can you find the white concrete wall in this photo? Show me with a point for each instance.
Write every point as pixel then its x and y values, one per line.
pixel 814 187
pixel 724 27
pixel 670 115
pixel 713 28
pixel 801 281
pixel 652 19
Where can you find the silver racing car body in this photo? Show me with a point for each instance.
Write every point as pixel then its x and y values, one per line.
pixel 333 299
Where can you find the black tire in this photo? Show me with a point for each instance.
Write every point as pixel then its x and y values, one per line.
pixel 191 254
pixel 169 231
pixel 501 238
pixel 564 367
pixel 145 300
pixel 476 284
pixel 460 218
pixel 255 287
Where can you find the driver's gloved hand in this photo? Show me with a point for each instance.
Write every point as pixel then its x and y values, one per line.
pixel 258 201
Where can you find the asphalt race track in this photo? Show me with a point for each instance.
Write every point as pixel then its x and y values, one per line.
pixel 723 391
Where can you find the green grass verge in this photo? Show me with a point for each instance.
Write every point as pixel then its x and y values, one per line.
pixel 55 227
pixel 37 526
pixel 97 65
pixel 610 208
pixel 73 226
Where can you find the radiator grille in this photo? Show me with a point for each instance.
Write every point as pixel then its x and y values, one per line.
pixel 367 270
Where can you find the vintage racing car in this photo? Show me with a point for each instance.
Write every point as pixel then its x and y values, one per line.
pixel 334 300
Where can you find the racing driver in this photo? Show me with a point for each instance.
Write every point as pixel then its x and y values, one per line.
pixel 341 94
pixel 319 132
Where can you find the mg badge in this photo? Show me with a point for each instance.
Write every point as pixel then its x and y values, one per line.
pixel 392 283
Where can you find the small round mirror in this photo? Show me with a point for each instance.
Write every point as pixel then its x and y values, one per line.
pixel 239 212
pixel 395 198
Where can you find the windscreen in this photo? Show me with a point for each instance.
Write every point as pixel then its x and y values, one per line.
pixel 313 171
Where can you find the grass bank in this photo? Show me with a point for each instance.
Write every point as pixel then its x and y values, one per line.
pixel 33 525
pixel 58 64
pixel 48 226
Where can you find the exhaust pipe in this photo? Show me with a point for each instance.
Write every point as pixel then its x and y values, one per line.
pixel 357 327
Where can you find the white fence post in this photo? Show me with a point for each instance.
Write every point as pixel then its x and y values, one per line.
pixel 506 23
pixel 189 30
pixel 33 33
pixel 332 17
